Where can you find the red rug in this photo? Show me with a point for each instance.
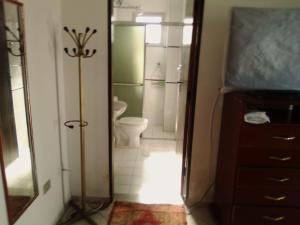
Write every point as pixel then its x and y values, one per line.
pixel 126 213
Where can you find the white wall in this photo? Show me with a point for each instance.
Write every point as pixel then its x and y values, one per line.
pixel 43 44
pixel 79 14
pixel 212 60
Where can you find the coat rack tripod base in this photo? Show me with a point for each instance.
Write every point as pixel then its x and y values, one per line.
pixel 74 214
pixel 80 210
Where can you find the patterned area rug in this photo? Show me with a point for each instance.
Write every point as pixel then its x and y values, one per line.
pixel 126 213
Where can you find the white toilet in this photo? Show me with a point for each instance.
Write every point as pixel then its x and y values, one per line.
pixel 128 131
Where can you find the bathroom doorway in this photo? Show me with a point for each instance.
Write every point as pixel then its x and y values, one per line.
pixel 153 74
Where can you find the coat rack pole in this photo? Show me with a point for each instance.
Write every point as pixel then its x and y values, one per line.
pixel 82 140
pixel 81 210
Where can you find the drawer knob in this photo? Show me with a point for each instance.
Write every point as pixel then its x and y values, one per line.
pixel 284 138
pixel 274 219
pixel 279 180
pixel 282 159
pixel 275 199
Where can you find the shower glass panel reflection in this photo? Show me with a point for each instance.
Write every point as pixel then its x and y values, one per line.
pixel 128 56
pixel 164 82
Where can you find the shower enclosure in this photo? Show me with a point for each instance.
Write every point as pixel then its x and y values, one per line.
pixel 147 76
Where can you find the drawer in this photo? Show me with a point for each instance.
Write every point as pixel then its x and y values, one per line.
pixel 268 178
pixel 265 216
pixel 268 196
pixel 270 136
pixel 267 157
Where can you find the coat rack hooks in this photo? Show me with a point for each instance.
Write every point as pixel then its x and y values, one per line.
pixel 80 40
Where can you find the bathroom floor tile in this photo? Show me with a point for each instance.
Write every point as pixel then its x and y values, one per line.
pixel 125 171
pixel 140 164
pixel 124 180
pixel 152 170
pixel 116 181
pixel 135 189
pixel 138 180
pixel 139 172
pixel 127 163
pixel 148 133
pixel 157 132
pixel 128 156
pixel 122 189
pixel 169 135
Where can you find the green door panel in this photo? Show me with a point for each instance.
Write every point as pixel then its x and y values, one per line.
pixel 133 96
pixel 128 62
pixel 128 54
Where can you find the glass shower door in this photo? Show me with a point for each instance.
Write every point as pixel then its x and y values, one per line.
pixel 128 60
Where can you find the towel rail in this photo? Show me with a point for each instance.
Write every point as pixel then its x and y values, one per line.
pixel 128 84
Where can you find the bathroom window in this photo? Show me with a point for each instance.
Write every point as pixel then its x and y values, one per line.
pixel 187 31
pixel 153 28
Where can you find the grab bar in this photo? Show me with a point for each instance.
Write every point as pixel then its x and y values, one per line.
pixel 161 84
pixel 127 84
pixel 164 81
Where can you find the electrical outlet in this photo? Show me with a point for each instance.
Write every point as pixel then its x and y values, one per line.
pixel 47 186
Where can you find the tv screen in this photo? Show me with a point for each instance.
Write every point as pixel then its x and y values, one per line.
pixel 264 49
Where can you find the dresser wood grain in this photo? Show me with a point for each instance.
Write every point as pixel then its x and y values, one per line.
pixel 258 171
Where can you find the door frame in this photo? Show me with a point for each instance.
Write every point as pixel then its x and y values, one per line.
pixel 110 100
pixel 190 101
pixel 191 96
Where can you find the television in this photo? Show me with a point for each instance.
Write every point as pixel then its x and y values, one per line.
pixel 264 50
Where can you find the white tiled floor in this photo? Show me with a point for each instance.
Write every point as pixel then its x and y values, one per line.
pixel 157 132
pixel 152 171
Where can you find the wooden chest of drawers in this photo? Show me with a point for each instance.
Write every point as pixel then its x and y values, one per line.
pixel 258 173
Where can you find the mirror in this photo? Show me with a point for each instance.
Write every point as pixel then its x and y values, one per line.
pixel 16 149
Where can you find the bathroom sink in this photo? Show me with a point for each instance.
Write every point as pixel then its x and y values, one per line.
pixel 119 107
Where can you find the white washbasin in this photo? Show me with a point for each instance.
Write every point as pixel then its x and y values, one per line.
pixel 119 107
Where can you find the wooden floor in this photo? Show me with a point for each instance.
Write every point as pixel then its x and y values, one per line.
pixel 17 205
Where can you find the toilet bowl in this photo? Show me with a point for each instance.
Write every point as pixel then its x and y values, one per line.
pixel 128 131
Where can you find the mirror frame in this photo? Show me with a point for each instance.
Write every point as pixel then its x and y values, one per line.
pixel 4 67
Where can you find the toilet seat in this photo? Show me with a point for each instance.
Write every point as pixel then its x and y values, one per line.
pixel 133 121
